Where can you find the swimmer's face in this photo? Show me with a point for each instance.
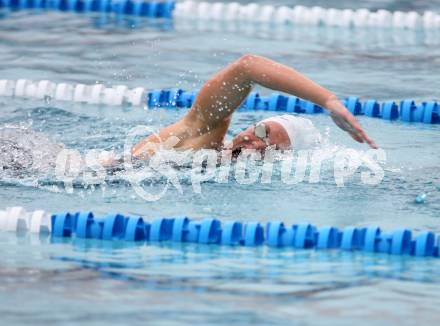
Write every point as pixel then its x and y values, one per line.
pixel 274 136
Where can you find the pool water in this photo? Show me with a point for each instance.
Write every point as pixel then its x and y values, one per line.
pixel 98 283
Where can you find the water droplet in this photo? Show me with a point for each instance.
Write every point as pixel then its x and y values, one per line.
pixel 420 199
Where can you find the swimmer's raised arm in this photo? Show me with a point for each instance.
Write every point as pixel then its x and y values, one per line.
pixel 206 123
pixel 225 92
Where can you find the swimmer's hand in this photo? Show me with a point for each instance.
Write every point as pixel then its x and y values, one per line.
pixel 347 122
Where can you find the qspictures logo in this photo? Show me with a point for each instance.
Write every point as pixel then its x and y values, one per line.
pixel 164 167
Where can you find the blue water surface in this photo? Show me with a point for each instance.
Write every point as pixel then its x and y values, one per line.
pixel 100 283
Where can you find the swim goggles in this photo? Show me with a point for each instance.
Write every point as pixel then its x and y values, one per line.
pixel 260 131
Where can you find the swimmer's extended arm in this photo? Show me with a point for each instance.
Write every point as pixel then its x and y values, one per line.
pixel 224 93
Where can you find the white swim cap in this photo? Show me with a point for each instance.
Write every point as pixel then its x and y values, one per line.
pixel 302 133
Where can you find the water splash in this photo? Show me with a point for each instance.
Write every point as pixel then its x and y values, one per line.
pixel 25 152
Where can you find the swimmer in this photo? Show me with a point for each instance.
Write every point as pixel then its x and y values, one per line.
pixel 206 123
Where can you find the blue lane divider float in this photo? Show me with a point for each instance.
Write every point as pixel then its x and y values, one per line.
pixel 235 233
pixel 407 110
pixel 150 9
pixel 115 226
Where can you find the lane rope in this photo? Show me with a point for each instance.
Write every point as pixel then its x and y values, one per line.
pixel 233 11
pixel 405 110
pixel 118 227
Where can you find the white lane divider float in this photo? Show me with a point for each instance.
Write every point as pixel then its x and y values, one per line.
pixel 93 94
pixel 18 220
pixel 301 15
